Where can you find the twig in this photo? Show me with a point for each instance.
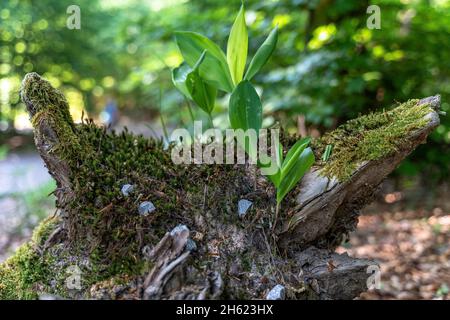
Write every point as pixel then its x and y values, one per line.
pixel 272 258
pixel 205 191
pixel 277 209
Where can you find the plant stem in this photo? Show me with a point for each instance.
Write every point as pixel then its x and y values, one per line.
pixel 277 210
pixel 190 110
pixel 211 120
pixel 163 124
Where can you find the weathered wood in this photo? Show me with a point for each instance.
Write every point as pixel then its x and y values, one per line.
pixel 327 209
pixel 35 95
pixel 334 276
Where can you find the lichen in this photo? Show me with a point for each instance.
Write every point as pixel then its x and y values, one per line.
pixel 369 137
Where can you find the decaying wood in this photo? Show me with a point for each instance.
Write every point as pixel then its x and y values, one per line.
pixel 332 275
pixel 46 136
pixel 167 275
pixel 299 256
pixel 327 209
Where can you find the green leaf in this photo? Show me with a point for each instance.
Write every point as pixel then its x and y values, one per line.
pixel 262 55
pixel 237 47
pixel 199 61
pixel 327 153
pixel 245 112
pixel 293 155
pixel 179 76
pixel 189 82
pixel 276 178
pixel 298 170
pixel 245 109
pixel 214 69
pixel 266 161
pixel 202 93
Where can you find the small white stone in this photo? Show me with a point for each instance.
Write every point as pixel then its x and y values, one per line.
pixel 146 251
pixel 127 189
pixel 243 206
pixel 146 207
pixel 46 296
pixel 179 229
pixel 277 293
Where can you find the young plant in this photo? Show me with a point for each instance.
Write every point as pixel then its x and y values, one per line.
pixel 223 72
pixel 207 69
pixel 290 170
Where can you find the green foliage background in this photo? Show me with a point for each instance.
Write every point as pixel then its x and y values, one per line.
pixel 328 66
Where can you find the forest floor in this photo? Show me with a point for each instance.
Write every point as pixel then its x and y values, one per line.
pixel 408 233
pixel 413 249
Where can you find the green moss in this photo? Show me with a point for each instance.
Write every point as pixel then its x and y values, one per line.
pixel 27 273
pixel 19 273
pixel 369 137
pixel 104 233
pixel 39 95
pixel 48 104
pixel 43 230
pixel 22 275
pixel 103 226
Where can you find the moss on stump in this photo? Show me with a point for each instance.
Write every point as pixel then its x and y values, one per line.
pixel 99 229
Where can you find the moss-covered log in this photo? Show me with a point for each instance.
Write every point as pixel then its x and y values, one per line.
pixel 174 231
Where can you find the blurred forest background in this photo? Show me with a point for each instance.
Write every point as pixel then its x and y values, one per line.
pixel 328 67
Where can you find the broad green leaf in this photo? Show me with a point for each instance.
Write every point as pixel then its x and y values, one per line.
pixel 245 112
pixel 280 154
pixel 214 69
pixel 202 93
pixel 189 82
pixel 237 47
pixel 262 55
pixel 292 155
pixel 298 170
pixel 275 179
pixel 245 109
pixel 179 76
pixel 264 161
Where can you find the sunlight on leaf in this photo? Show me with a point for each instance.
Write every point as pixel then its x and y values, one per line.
pixel 237 47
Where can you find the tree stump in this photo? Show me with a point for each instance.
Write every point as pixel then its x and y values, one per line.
pixel 132 225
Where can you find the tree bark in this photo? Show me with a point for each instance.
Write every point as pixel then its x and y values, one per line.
pixel 328 209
